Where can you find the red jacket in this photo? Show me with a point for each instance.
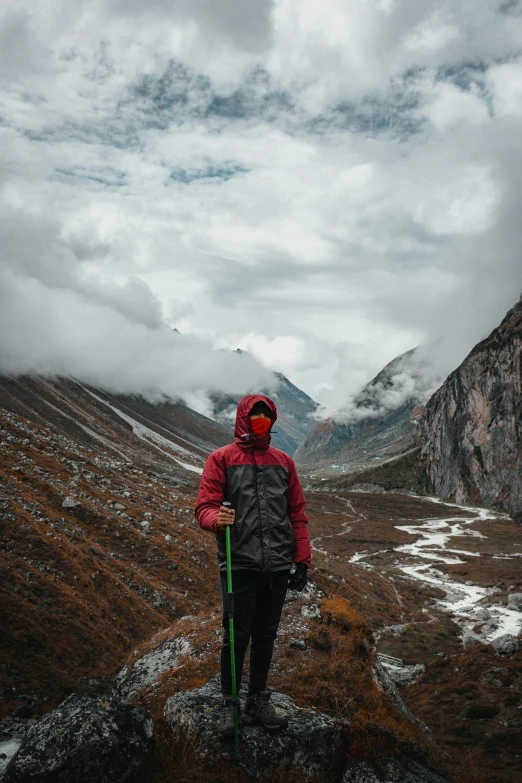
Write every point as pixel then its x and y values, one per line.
pixel 270 531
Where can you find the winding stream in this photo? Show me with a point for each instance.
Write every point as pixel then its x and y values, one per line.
pixel 468 602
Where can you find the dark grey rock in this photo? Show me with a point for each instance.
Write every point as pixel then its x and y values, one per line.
pixel 298 644
pixel 405 675
pixel 506 644
pixel 71 502
pixel 515 601
pixel 387 770
pixel 145 672
pixel 386 685
pixel 469 639
pixel 311 611
pixel 83 740
pixel 312 742
pixel 22 712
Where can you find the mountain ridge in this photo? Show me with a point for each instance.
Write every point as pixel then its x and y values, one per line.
pixel 295 410
pixel 375 429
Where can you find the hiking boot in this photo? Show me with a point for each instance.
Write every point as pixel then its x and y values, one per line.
pixel 226 722
pixel 259 710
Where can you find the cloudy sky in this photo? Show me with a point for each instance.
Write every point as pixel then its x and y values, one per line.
pixel 323 184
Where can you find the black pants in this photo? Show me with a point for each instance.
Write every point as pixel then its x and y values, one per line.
pixel 258 603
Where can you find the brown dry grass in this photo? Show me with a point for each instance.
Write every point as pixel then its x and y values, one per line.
pixel 337 674
pixel 72 611
pixel 173 760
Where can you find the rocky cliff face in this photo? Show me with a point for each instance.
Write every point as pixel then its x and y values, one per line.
pixel 471 431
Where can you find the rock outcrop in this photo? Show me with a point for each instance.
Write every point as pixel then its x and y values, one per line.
pixel 394 772
pixel 313 742
pixel 507 643
pixel 131 681
pixel 471 430
pixel 83 740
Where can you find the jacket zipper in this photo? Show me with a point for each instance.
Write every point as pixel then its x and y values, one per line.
pixel 259 513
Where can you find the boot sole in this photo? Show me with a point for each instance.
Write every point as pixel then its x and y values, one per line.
pixel 226 736
pixel 251 721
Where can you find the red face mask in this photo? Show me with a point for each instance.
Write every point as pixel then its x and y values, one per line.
pixel 261 426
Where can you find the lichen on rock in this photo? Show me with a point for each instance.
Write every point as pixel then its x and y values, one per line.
pixel 84 740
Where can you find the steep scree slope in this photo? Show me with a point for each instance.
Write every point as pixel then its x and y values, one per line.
pixel 165 433
pixel 98 543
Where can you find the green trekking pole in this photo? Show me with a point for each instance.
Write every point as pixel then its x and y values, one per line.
pixel 230 613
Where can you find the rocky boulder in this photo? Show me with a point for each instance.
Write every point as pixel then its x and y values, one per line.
pixel 469 639
pixel 515 601
pixel 313 742
pixel 70 503
pixel 391 770
pixel 405 675
pixel 84 740
pixel 506 644
pixel 144 673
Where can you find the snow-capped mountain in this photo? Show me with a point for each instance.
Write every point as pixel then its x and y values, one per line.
pixel 378 424
pixel 295 412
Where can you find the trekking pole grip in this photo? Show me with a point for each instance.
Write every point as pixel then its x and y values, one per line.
pixel 230 597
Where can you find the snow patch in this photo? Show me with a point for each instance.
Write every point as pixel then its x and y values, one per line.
pixel 8 748
pixel 151 436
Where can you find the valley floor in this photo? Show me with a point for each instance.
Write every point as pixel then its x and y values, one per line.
pixel 428 575
pixel 83 583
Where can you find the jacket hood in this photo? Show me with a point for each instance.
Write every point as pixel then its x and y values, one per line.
pixel 242 432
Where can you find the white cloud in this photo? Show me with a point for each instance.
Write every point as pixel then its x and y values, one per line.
pixel 452 106
pixel 435 32
pixel 21 53
pixel 505 82
pixel 325 185
pixel 285 354
pixel 56 321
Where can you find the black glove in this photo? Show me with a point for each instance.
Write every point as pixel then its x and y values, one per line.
pixel 299 578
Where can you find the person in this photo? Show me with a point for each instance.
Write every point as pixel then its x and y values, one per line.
pixel 268 534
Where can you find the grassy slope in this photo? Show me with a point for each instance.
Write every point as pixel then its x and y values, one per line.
pixel 397 473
